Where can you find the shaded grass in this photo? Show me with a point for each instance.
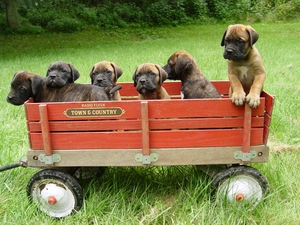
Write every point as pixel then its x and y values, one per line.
pixel 156 195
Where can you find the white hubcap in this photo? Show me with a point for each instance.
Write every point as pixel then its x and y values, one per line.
pixel 54 198
pixel 241 188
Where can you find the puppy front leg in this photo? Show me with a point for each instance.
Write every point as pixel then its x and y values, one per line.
pixel 253 98
pixel 236 92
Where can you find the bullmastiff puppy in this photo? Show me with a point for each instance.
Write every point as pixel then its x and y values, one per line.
pixel 27 85
pixel 61 73
pixel 246 72
pixel 182 66
pixel 106 74
pixel 148 79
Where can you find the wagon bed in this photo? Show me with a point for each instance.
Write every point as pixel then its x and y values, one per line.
pixel 214 134
pixel 135 132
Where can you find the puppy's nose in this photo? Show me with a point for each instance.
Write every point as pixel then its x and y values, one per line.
pixel 229 51
pixel 52 76
pixel 9 97
pixel 99 80
pixel 142 81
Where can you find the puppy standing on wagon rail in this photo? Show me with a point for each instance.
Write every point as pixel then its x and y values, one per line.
pixel 246 72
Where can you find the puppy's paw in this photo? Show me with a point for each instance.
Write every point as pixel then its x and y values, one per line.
pixel 238 98
pixel 253 100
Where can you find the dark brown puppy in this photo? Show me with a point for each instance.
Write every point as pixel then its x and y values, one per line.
pixel 182 66
pixel 61 73
pixel 106 74
pixel 27 85
pixel 148 79
pixel 246 72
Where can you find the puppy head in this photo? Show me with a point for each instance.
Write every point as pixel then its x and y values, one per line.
pixel 178 64
pixel 238 40
pixel 147 77
pixel 61 73
pixel 23 86
pixel 105 74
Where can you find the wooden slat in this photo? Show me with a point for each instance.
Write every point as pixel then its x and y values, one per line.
pixel 172 87
pixel 198 108
pixel 87 125
pixel 154 124
pixel 158 139
pixel 174 108
pixel 168 156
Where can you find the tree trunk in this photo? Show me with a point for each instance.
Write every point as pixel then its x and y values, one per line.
pixel 12 13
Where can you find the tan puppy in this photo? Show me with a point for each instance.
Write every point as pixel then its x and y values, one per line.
pixel 246 72
pixel 148 79
pixel 182 66
pixel 106 74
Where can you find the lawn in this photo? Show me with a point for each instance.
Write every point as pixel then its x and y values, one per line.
pixel 163 195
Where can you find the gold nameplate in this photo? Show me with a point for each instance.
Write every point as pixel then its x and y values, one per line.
pixel 92 112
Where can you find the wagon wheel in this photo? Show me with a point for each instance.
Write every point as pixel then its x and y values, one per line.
pixel 240 184
pixel 57 194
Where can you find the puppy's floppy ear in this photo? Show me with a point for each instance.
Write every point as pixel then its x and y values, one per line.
pixel 36 83
pixel 162 74
pixel 253 35
pixel 117 70
pixel 74 73
pixel 134 77
pixel 91 74
pixel 183 63
pixel 223 38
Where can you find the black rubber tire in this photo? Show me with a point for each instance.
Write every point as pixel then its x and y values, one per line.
pixel 61 180
pixel 235 171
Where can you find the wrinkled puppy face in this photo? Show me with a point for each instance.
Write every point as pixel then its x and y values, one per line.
pixel 148 77
pixel 20 88
pixel 60 73
pixel 105 74
pixel 178 63
pixel 238 40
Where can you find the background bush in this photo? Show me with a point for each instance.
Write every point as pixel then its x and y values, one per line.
pixel 75 15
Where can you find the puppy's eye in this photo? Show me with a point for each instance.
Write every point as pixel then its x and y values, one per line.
pixel 22 88
pixel 108 72
pixel 241 41
pixel 152 74
pixel 63 70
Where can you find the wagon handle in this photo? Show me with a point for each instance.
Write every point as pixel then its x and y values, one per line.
pixel 22 163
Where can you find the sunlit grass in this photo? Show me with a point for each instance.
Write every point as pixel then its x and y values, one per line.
pixel 162 195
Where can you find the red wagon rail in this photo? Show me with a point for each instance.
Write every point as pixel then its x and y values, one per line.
pixel 157 132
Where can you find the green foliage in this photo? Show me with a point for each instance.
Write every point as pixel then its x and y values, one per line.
pixel 65 25
pixel 74 15
pixel 231 10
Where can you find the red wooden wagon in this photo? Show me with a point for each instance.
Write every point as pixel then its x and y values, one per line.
pixel 213 134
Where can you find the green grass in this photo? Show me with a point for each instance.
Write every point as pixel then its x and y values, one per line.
pixel 156 195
